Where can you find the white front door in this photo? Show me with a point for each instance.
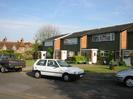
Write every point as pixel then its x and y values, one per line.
pixel 53 69
pixel 43 54
pixel 127 60
pixel 94 55
pixel 63 54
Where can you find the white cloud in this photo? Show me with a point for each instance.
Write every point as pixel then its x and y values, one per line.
pixel 16 29
pixel 17 24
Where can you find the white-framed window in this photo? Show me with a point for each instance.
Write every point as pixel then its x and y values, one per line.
pixel 70 41
pixel 103 37
pixel 48 43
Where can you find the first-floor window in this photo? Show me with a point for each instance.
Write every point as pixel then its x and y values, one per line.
pixel 48 43
pixel 70 41
pixel 103 37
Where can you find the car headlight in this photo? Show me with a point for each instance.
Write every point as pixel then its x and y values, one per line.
pixel 75 72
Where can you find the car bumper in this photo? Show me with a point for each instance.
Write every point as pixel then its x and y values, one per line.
pixel 119 79
pixel 77 76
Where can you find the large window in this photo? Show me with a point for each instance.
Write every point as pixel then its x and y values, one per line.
pixel 70 41
pixel 103 37
pixel 48 43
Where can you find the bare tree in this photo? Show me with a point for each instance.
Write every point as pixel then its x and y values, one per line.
pixel 46 32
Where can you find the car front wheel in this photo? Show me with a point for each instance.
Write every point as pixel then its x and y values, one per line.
pixel 37 74
pixel 129 82
pixel 3 69
pixel 66 77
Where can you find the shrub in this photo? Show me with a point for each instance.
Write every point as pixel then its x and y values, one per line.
pixel 112 64
pixel 50 52
pixel 18 56
pixel 28 55
pixel 122 63
pixel 79 59
pixel 6 52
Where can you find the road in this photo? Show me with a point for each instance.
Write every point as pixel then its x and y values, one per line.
pixel 21 85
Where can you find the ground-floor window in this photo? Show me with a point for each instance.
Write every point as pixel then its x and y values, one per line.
pixel 71 53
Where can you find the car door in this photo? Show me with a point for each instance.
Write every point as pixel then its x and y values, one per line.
pixel 41 66
pixel 53 69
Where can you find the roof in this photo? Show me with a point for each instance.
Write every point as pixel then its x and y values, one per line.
pixel 55 37
pixel 9 45
pixel 117 28
pixel 75 35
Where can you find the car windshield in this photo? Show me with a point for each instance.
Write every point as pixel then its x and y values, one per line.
pixel 62 63
pixel 8 56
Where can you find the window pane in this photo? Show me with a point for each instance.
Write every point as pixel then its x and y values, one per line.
pixel 70 41
pixel 42 62
pixel 52 63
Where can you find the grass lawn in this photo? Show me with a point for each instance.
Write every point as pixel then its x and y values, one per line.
pixel 89 68
pixel 99 68
pixel 30 62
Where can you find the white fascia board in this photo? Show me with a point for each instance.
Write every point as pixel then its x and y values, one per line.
pixel 63 36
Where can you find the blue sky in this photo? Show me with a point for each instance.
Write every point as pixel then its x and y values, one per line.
pixel 23 18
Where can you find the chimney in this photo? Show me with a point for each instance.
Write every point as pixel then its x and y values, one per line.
pixel 22 40
pixel 5 39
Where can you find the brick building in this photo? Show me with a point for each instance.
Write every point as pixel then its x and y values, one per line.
pixel 18 46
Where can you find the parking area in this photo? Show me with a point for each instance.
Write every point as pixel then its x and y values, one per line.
pixel 21 85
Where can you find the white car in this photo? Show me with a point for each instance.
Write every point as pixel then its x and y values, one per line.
pixel 126 77
pixel 57 68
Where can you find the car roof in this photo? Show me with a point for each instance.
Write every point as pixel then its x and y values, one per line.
pixel 49 59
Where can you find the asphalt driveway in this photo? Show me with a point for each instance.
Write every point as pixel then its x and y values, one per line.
pixel 21 85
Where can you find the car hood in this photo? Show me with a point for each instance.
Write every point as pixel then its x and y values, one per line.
pixel 125 71
pixel 73 70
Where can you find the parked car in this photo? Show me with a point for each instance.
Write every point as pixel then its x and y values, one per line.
pixel 9 62
pixel 57 68
pixel 126 77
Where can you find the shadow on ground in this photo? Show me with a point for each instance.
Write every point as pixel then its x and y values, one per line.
pixel 31 74
pixel 92 86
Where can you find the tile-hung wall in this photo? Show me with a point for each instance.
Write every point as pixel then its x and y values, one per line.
pixel 57 44
pixel 83 41
pixel 123 40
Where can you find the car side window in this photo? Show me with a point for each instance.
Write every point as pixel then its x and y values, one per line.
pixel 42 62
pixel 52 63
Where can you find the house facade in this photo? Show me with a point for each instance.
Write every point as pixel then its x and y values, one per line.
pixel 117 39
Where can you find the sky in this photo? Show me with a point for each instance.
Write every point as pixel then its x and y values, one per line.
pixel 23 18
